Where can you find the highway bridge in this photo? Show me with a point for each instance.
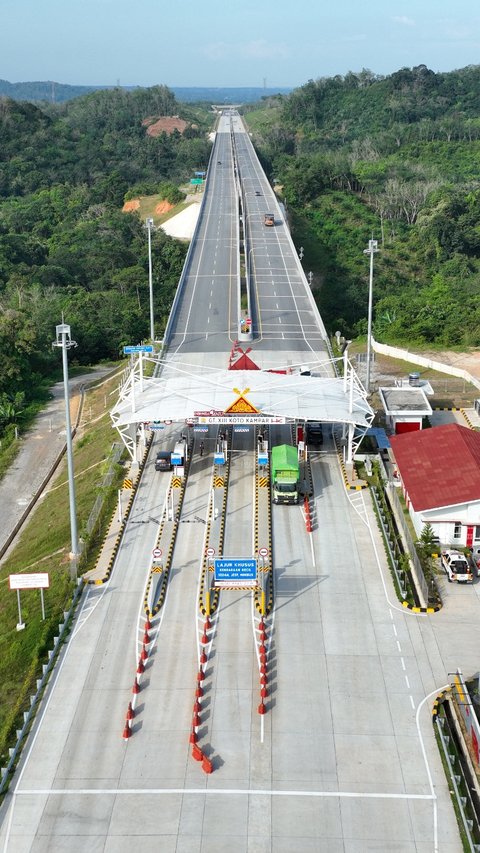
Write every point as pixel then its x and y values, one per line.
pixel 288 714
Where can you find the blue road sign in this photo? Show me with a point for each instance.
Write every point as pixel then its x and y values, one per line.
pixel 138 348
pixel 262 459
pixel 235 571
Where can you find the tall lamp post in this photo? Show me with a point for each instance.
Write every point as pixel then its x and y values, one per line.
pixel 65 342
pixel 372 248
pixel 149 226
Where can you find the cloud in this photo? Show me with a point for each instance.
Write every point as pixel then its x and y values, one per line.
pixel 260 49
pixel 402 19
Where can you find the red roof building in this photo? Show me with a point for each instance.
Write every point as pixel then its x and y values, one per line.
pixel 439 470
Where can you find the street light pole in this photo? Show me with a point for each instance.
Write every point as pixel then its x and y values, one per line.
pixel 372 248
pixel 65 342
pixel 149 225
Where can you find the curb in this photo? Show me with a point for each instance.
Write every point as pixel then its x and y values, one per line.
pixel 439 700
pixel 348 485
pixel 416 609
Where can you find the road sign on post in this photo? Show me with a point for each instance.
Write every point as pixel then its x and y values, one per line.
pixel 196 180
pixel 38 580
pixel 236 572
pixel 137 348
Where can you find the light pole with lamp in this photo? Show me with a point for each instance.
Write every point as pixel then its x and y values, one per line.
pixel 149 226
pixel 372 248
pixel 65 342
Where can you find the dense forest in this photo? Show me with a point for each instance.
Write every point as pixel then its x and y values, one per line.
pixel 65 245
pixel 396 158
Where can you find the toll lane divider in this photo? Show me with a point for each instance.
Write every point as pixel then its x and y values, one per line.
pixel 263 664
pixel 198 711
pixel 142 662
pixel 118 540
pixel 151 607
pixel 263 513
pixel 348 485
pixel 205 581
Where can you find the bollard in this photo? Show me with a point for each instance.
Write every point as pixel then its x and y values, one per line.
pixel 207 602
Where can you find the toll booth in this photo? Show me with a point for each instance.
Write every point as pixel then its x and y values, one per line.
pixel 220 454
pixel 262 451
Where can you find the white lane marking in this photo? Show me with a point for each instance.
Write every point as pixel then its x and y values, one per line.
pixel 412 702
pixel 262 728
pixel 403 664
pixel 248 792
pixel 407 681
pixel 391 614
pixel 399 647
pixel 395 630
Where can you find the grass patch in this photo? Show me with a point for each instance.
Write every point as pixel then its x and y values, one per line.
pixel 44 546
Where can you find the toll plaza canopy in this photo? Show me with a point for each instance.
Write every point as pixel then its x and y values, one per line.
pixel 243 396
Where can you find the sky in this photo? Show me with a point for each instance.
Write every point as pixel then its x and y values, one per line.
pixel 223 43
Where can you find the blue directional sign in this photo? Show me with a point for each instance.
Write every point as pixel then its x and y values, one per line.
pixel 235 571
pixel 139 348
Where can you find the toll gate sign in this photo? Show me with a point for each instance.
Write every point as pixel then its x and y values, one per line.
pixel 238 572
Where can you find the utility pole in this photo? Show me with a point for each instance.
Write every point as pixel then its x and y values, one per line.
pixel 149 225
pixel 372 248
pixel 65 342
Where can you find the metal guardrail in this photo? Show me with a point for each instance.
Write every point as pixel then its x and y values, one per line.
pixel 457 778
pixel 28 716
pixel 97 506
pixel 397 508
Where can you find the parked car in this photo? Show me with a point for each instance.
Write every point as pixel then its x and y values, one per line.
pixel 163 462
pixel 456 567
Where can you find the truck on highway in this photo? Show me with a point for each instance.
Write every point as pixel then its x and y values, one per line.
pixel 285 474
pixel 269 219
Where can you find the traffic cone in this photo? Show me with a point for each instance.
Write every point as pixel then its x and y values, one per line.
pixel 207 765
pixel 148 625
pixel 261 625
pixel 263 658
pixel 199 692
pixel 204 639
pixel 130 712
pixel 196 721
pixel 200 675
pixel 197 753
pixel 263 679
pixel 263 668
pixel 203 658
pixel 262 649
pixel 146 639
pixel 263 692
pixel 261 708
pixel 208 624
pixel 193 736
pixel 135 688
pixel 127 732
pixel 144 654
pixel 140 667
pixel 263 636
pixel 196 707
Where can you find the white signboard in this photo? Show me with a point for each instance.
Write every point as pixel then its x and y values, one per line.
pixel 39 580
pixel 241 419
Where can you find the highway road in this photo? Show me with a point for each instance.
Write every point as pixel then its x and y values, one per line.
pixel 344 759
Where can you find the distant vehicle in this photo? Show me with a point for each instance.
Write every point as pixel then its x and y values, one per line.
pixel 456 567
pixel 314 434
pixel 163 462
pixel 257 192
pixel 219 162
pixel 285 474
pixel 269 219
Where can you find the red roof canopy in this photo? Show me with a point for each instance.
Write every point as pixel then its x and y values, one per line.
pixel 439 466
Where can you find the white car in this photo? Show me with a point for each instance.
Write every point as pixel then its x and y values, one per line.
pixel 456 566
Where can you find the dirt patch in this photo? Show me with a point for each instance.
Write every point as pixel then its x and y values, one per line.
pixel 163 207
pixel 164 124
pixel 133 204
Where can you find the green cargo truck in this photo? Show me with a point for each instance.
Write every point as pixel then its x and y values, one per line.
pixel 285 474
